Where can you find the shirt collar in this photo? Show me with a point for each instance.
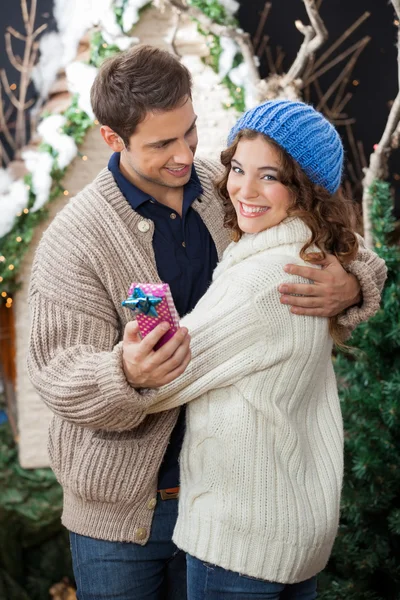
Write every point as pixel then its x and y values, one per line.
pixel 136 197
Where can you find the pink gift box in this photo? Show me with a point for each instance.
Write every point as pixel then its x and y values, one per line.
pixel 165 309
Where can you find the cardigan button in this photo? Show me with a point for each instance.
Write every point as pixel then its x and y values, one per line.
pixel 143 226
pixel 152 504
pixel 141 533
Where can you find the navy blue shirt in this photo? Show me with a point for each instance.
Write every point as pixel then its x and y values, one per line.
pixel 186 257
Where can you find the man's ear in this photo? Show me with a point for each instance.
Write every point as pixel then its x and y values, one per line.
pixel 112 139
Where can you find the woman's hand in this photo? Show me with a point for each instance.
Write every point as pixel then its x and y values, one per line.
pixel 333 289
pixel 145 367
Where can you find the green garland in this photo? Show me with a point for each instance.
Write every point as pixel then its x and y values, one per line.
pixel 236 93
pixel 119 12
pixel 215 11
pixel 100 50
pixel 15 243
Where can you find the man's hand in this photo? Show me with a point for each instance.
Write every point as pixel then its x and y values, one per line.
pixel 145 367
pixel 332 291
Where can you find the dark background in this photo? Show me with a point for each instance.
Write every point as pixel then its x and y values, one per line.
pixel 376 69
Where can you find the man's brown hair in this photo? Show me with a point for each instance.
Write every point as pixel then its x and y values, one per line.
pixel 140 80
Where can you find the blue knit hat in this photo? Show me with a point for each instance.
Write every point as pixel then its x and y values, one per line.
pixel 304 133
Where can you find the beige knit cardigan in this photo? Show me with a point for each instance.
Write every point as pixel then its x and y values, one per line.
pixel 104 448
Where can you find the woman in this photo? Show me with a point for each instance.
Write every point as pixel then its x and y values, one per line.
pixel 262 461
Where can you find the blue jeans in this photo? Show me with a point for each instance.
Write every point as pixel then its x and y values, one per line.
pixel 207 582
pixel 124 571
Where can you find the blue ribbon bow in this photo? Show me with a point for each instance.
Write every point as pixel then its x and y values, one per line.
pixel 141 302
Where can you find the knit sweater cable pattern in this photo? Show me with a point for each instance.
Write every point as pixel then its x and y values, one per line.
pixel 104 446
pixel 262 460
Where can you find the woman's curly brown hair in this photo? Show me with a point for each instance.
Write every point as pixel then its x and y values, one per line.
pixel 332 219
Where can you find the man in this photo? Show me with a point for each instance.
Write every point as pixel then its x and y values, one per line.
pixel 151 215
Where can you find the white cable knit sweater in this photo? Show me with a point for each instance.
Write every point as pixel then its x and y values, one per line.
pixel 262 460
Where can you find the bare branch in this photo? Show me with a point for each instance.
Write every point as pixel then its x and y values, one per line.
pixel 354 150
pixel 7 90
pixel 14 60
pixel 25 15
pixel 321 34
pixel 30 103
pixel 31 23
pixel 263 45
pixel 39 31
pixel 270 60
pixel 3 124
pixel 175 31
pixel 4 156
pixel 314 36
pixel 338 109
pixel 341 39
pixel 377 168
pixel 361 153
pixel 346 122
pixel 360 44
pixel 279 59
pixel 261 25
pixel 16 34
pixel 344 75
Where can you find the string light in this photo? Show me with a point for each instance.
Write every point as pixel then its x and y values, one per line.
pixel 84 157
pixel 105 45
pixel 228 105
pixel 9 302
pixel 1 279
pixel 356 82
pixel 11 267
pixel 238 89
pixel 396 22
pixel 19 214
pixel 18 239
pixel 13 86
pixel 396 176
pixel 2 258
pixel 26 210
pixel 96 122
pixel 66 192
pixel 4 294
pixel 28 187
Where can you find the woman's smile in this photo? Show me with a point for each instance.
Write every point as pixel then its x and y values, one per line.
pixel 251 211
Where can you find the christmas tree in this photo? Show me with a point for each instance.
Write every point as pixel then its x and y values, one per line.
pixel 365 563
